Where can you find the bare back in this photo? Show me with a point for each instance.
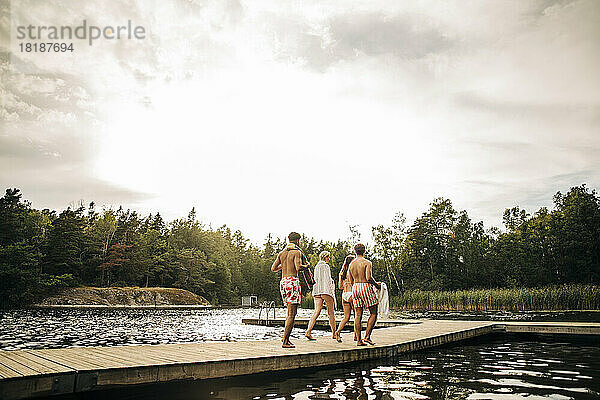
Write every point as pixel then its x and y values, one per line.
pixel 345 283
pixel 360 270
pixel 288 262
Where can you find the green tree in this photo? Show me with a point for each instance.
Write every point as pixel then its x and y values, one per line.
pixel 66 244
pixel 388 242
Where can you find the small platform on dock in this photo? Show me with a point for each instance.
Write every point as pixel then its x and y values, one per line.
pixel 33 373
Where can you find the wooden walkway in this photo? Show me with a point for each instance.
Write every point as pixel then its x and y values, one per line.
pixel 32 373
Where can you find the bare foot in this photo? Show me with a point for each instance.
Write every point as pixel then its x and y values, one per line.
pixel 361 343
pixel 369 341
pixel 338 337
pixel 288 345
pixel 309 337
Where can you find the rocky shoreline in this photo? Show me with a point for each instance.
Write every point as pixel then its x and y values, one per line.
pixel 124 297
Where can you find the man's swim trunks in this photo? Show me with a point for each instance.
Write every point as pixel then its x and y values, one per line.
pixel 363 294
pixel 290 290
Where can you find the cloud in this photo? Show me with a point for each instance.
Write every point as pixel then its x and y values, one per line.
pixel 375 34
pixel 350 36
pixel 525 195
pixel 47 130
pixel 526 109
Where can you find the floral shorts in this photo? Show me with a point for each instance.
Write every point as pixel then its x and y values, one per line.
pixel 290 290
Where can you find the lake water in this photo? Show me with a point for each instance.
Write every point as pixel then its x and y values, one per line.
pixel 57 328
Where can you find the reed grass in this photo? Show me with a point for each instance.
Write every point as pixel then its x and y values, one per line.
pixel 307 301
pixel 551 298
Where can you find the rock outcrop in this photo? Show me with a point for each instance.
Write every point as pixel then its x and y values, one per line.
pixel 123 296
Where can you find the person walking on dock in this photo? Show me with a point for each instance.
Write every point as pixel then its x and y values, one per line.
pixel 346 288
pixel 323 292
pixel 360 274
pixel 290 262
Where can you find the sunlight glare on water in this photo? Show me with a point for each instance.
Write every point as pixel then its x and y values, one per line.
pixel 58 328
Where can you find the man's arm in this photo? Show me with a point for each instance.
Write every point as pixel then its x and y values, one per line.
pixel 277 265
pixel 369 276
pixel 298 262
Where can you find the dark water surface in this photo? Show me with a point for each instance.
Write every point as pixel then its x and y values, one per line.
pixel 497 367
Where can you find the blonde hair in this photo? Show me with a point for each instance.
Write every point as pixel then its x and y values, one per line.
pixel 324 254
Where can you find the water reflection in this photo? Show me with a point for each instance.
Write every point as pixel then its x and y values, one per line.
pixel 56 328
pixel 501 367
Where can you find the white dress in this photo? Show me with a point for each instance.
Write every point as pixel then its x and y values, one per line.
pixel 324 284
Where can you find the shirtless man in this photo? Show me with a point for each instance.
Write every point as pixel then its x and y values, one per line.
pixel 290 262
pixel 360 274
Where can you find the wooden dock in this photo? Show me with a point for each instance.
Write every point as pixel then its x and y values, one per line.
pixel 33 373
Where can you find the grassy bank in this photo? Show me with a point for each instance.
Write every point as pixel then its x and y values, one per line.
pixel 567 297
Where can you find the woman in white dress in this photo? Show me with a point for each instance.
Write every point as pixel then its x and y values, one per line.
pixel 323 292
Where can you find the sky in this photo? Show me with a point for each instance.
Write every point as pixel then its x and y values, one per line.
pixel 310 116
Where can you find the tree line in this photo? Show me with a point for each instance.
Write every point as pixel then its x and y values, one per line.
pixel 443 249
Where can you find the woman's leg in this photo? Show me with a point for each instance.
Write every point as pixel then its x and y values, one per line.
pixel 313 319
pixel 330 302
pixel 347 311
pixel 353 312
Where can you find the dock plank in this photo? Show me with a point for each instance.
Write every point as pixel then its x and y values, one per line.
pixel 7 359
pixel 36 363
pixel 69 359
pixel 146 357
pixel 6 372
pixel 110 359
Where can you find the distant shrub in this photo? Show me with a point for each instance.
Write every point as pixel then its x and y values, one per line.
pixel 565 297
pixel 307 301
